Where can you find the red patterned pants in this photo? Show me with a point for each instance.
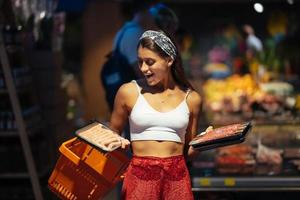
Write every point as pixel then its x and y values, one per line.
pixel 153 178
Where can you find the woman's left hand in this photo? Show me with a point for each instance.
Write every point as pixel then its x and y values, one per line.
pixel 206 130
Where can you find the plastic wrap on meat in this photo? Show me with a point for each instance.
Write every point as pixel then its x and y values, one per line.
pixel 223 136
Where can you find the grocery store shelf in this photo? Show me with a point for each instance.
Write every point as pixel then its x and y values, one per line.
pixel 14 133
pixel 14 175
pixel 20 89
pixel 24 175
pixel 246 183
pixel 217 119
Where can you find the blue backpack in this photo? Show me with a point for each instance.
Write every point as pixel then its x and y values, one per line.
pixel 115 71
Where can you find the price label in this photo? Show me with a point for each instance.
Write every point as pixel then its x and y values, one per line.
pixel 205 182
pixel 229 182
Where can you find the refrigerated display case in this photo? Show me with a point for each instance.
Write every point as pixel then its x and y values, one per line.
pixel 269 160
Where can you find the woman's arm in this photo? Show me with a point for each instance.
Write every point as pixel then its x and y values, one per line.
pixel 194 103
pixel 120 112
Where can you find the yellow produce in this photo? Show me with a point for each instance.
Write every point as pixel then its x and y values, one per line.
pixel 233 88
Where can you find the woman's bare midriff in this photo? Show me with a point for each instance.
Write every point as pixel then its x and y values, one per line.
pixel 157 148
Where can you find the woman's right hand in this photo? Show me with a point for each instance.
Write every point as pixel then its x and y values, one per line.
pixel 114 140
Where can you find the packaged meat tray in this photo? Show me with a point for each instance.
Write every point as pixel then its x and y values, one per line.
pixel 223 136
pixel 95 133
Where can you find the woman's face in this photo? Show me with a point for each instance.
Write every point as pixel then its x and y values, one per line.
pixel 154 67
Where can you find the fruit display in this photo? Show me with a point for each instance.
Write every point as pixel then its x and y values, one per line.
pixel 233 92
pixel 243 95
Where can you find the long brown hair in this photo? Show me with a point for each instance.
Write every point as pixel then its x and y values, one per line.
pixel 177 69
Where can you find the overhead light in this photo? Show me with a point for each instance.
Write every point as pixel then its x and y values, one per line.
pixel 42 14
pixel 291 2
pixel 258 7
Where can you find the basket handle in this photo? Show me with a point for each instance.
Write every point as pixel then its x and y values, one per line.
pixel 69 154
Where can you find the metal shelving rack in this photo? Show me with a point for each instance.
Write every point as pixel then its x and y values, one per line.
pixel 32 172
pixel 246 184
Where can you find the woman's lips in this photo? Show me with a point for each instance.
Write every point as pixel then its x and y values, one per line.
pixel 148 76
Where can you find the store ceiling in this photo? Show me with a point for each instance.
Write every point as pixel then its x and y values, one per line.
pixel 229 1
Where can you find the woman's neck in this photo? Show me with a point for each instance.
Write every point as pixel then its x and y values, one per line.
pixel 166 84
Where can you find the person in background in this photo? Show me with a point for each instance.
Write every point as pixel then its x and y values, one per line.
pixel 253 47
pixel 147 15
pixel 163 111
pixel 165 18
pixel 252 41
pixel 130 32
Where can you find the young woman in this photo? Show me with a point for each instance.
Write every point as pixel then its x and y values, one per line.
pixel 162 109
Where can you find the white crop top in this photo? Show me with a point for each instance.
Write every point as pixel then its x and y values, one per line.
pixel 146 123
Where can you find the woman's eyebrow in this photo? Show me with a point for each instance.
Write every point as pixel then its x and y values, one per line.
pixel 149 58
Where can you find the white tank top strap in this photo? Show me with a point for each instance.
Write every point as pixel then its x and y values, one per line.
pixel 137 86
pixel 187 93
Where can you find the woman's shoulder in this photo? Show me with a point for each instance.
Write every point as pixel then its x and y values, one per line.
pixel 194 99
pixel 128 93
pixel 129 90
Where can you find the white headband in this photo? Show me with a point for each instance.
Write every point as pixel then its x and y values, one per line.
pixel 163 41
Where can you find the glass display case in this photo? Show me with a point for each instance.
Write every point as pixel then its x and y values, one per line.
pixel 268 160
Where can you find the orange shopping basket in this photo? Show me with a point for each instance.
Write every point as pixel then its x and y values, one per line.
pixel 82 172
